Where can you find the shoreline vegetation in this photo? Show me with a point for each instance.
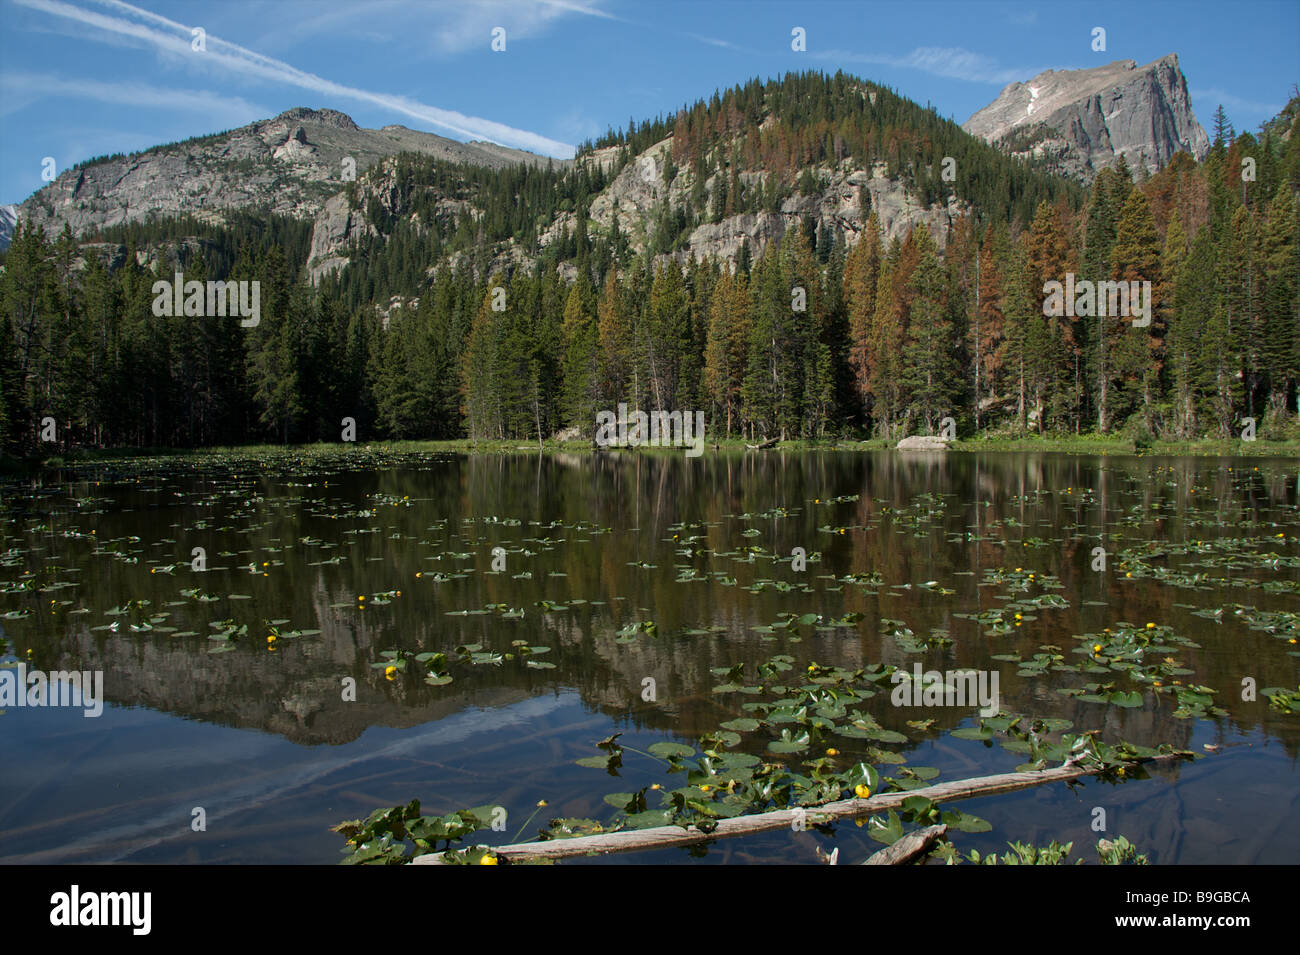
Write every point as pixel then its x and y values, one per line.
pixel 1050 444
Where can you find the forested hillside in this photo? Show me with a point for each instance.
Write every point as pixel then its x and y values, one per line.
pixel 490 303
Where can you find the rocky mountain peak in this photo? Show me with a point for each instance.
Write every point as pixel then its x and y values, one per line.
pixel 321 117
pixel 1084 120
pixel 289 165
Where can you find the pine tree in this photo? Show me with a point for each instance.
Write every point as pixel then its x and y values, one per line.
pixel 987 327
pixel 1280 255
pixel 614 340
pixel 1137 350
pixel 480 402
pixel 861 276
pixel 885 345
pixel 928 352
pixel 581 366
pixel 1054 345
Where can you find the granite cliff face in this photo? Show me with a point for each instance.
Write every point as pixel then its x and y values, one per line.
pixel 8 220
pixel 289 165
pixel 632 197
pixel 1085 120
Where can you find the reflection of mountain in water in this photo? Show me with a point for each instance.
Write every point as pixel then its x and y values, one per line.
pixel 914 522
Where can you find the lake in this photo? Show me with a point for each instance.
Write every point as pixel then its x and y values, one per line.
pixel 616 593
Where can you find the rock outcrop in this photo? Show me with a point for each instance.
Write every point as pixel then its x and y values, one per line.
pixel 8 222
pixel 923 442
pixel 633 198
pixel 1085 120
pixel 288 165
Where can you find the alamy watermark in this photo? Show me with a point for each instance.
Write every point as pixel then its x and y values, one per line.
pixel 21 687
pixel 950 688
pixel 659 429
pixel 194 299
pixel 1086 298
pixel 74 908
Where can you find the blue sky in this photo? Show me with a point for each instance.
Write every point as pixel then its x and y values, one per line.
pixel 81 78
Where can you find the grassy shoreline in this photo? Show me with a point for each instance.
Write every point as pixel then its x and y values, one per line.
pixel 1055 444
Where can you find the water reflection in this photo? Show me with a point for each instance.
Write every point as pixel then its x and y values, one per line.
pixel 616 539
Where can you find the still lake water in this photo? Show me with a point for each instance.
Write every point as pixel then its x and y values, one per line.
pixel 261 737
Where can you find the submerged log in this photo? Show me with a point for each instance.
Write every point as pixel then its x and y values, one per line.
pixel 763 445
pixel 666 837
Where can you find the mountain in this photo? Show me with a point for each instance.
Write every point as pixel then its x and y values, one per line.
pixel 288 165
pixel 1084 120
pixel 8 220
pixel 737 171
pixel 852 263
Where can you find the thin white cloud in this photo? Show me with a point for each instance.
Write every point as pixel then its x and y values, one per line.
pixel 712 41
pixel 953 63
pixel 34 86
pixel 286 24
pixel 176 42
pixel 468 26
pixel 419 26
pixel 584 8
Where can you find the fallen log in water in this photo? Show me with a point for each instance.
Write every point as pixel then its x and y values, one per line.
pixel 667 837
pixel 763 445
pixel 909 848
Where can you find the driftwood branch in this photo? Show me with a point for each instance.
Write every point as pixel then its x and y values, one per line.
pixel 763 445
pixel 913 845
pixel 666 837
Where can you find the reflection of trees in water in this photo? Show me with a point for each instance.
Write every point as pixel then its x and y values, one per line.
pixel 918 518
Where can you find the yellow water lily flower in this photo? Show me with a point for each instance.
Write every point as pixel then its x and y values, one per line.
pixel 832 752
pixel 390 672
pixel 489 860
pixel 862 791
pixel 1096 648
pixel 1150 626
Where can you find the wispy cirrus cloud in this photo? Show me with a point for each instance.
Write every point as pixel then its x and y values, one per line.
pixel 457 27
pixel 20 88
pixel 713 41
pixel 953 63
pixel 419 26
pixel 173 39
